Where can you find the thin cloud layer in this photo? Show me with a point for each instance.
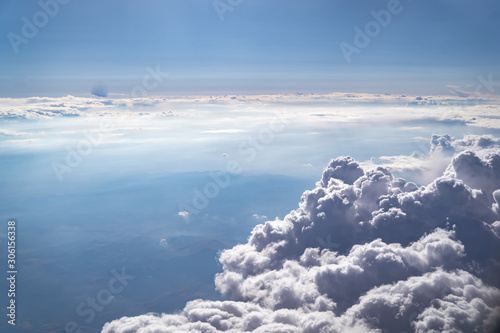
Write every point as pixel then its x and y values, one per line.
pixel 398 258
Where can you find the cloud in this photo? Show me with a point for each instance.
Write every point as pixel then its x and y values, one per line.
pixel 345 108
pixel 224 131
pixel 438 301
pixel 7 132
pixel 481 144
pixel 405 258
pixel 22 141
pixel 71 106
pixel 459 92
pixel 426 167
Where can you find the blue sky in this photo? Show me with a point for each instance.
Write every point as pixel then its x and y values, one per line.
pixel 260 46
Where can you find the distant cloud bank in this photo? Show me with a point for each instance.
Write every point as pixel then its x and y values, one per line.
pixel 338 107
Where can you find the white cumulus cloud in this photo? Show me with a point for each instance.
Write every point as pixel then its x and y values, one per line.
pixel 406 258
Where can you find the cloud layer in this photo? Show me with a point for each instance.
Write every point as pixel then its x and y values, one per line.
pixel 336 107
pixel 364 252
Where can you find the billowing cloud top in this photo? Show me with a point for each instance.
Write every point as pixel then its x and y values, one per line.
pixel 364 252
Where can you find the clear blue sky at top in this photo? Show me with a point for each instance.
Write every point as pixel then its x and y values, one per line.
pixel 266 43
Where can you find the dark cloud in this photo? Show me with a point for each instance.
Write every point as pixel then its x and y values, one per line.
pixel 99 89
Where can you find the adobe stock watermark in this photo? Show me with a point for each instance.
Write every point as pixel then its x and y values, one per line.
pixel 30 27
pixel 488 84
pixel 87 310
pixel 327 244
pixel 249 149
pixel 223 6
pixel 150 82
pixel 373 28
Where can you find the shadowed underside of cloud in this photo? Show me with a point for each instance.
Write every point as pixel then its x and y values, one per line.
pixel 478 143
pixel 398 258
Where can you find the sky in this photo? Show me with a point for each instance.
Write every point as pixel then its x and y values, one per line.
pixel 257 46
pixel 246 165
